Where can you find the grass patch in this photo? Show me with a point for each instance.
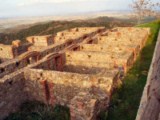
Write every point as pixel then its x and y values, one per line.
pixel 39 111
pixel 125 101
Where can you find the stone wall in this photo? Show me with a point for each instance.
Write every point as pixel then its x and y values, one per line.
pixel 81 32
pixel 11 93
pixel 42 41
pixel 53 87
pixel 61 45
pixel 149 108
pixel 31 57
pixel 108 59
pixel 22 61
pixel 12 51
pixel 90 109
pixel 23 48
pixel 27 58
pixel 69 73
pixel 11 66
pixel 48 86
pixel 6 51
pixel 52 61
pixel 65 88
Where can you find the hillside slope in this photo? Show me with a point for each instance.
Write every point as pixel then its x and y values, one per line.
pixel 56 26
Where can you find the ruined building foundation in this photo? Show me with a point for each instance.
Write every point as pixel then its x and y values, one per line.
pixel 78 68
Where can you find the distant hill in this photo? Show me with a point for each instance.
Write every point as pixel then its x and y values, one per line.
pixel 56 26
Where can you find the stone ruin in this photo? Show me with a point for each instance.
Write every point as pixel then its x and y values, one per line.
pixel 78 68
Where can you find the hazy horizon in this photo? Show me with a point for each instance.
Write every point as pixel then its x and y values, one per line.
pixel 71 14
pixel 27 8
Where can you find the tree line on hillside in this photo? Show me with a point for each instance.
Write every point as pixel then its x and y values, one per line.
pixel 56 26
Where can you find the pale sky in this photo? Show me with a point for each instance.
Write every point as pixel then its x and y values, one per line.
pixel 16 8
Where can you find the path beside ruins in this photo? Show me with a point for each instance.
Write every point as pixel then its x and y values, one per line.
pixel 150 103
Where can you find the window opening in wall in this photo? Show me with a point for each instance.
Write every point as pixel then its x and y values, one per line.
pixel 58 63
pixel 41 74
pixel 99 31
pixel 85 37
pixel 69 43
pixel 90 42
pixel 17 64
pixel 61 47
pixel 77 30
pixel 28 61
pixel 10 82
pixel 33 40
pixel 47 91
pixel 2 70
pixel 1 49
pixel 75 49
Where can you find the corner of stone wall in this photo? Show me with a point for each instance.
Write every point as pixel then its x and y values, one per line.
pixel 86 106
pixel 11 93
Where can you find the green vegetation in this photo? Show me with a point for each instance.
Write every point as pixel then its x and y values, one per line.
pixel 40 111
pixel 126 99
pixel 56 26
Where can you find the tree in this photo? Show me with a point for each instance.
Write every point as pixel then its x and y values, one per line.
pixel 143 8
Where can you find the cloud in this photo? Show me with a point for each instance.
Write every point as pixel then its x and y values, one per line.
pixel 30 2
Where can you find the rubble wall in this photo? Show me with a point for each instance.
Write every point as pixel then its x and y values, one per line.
pixel 64 86
pixel 52 87
pixel 107 60
pixel 30 57
pixel 11 93
pixel 88 56
pixel 6 51
pixel 11 66
pixel 50 62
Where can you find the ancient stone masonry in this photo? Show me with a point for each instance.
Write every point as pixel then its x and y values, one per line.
pixel 41 41
pixel 11 93
pixel 39 52
pixel 149 108
pixel 79 68
pixel 12 51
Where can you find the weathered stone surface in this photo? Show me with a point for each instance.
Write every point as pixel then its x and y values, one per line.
pixel 11 93
pixel 79 68
pixel 149 108
pixel 86 106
